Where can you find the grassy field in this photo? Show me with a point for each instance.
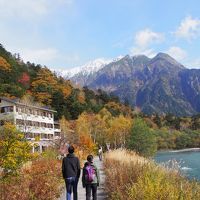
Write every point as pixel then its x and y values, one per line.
pixel 129 176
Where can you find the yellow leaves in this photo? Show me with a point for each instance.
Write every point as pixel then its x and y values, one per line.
pixel 81 97
pixel 14 150
pixel 105 114
pixel 66 89
pixel 120 128
pixel 46 76
pixel 43 97
pixel 82 125
pixel 4 65
pixel 103 127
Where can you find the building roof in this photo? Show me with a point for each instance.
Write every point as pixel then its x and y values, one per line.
pixel 16 101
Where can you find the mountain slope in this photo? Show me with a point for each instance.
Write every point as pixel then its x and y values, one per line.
pixel 160 84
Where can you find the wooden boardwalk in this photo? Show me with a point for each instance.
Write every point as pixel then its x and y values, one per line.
pixel 81 191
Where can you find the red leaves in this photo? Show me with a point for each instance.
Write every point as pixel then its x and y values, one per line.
pixel 25 79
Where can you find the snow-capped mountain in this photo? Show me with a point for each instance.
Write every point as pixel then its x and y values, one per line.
pixel 87 69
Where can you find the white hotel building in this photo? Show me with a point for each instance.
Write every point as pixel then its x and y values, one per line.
pixel 37 123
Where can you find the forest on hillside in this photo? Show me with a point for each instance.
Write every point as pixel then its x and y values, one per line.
pixel 95 115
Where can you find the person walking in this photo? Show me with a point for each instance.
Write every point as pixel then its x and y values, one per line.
pixel 90 178
pixel 100 153
pixel 71 173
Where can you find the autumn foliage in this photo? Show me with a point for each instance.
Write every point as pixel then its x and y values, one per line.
pixel 41 180
pixel 24 79
pixel 4 65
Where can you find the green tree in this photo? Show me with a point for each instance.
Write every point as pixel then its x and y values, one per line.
pixel 142 139
pixel 14 149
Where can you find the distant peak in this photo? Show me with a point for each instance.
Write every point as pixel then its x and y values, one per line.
pixel 166 57
pixel 163 55
pixel 140 56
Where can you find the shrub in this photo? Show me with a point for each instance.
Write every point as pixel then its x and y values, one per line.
pixel 39 181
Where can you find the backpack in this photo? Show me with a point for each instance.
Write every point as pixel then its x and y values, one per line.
pixel 90 173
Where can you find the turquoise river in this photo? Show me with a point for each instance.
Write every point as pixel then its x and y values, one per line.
pixel 187 159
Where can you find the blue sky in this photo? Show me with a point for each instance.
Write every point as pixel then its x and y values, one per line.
pixel 62 34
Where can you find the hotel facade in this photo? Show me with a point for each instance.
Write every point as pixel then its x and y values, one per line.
pixel 37 123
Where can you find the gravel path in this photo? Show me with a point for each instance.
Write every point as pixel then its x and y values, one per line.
pixel 81 191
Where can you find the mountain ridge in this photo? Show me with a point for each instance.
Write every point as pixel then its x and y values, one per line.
pixel 156 85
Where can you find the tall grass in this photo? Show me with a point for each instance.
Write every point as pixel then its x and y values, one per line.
pixel 129 176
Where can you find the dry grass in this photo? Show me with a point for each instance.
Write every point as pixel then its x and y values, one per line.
pixel 129 176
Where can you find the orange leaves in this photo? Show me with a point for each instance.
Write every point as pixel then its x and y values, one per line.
pixel 44 85
pixel 86 143
pixel 4 65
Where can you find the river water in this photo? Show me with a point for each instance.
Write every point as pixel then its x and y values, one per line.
pixel 188 159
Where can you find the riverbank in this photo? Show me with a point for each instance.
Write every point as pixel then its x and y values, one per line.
pixel 184 150
pixel 129 176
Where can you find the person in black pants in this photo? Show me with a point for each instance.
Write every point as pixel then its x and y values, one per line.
pixel 71 173
pixel 90 178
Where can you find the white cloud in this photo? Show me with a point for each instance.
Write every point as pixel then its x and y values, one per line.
pixel 29 8
pixel 177 53
pixel 147 37
pixel 140 51
pixel 194 64
pixel 45 56
pixel 189 28
pixel 39 55
pixel 143 40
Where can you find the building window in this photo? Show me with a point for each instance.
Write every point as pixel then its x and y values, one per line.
pixel 50 136
pixel 57 126
pixel 7 109
pixel 29 135
pixel 19 110
pixel 20 122
pixel 3 110
pixel 37 148
pixel 57 134
pixel 44 114
pixel 44 148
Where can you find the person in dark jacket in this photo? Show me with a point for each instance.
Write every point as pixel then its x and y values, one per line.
pixel 90 186
pixel 71 173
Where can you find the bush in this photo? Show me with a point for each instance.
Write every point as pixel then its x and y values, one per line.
pixel 39 181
